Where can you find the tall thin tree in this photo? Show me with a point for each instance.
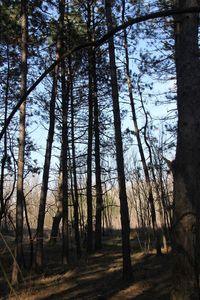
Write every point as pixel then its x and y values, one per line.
pixel 90 139
pixel 94 95
pixel 5 146
pixel 64 138
pixel 76 196
pixel 139 141
pixel 125 223
pixel 22 140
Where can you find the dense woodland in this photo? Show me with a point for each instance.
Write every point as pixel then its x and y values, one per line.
pixel 99 141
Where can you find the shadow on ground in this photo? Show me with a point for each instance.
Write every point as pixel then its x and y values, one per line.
pixel 99 276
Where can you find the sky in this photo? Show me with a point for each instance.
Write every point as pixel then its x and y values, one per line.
pixel 157 112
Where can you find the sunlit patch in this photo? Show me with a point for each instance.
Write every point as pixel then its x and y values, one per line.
pixel 132 291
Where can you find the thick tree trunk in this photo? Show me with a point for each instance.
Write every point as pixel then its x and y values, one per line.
pixel 127 269
pixel 55 226
pixel 186 222
pixel 22 136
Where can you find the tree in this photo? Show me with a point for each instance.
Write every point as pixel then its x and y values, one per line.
pixel 99 198
pixel 150 195
pixel 78 91
pixel 97 43
pixel 75 196
pixel 5 144
pixel 186 222
pixel 58 215
pixel 127 268
pixel 22 136
pixel 45 178
pixel 90 139
pixel 64 138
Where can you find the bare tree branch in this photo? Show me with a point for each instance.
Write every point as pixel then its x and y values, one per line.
pixel 95 44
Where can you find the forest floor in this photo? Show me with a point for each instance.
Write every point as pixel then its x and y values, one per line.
pixel 98 276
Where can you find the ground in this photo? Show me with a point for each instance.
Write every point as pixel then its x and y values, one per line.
pixel 98 276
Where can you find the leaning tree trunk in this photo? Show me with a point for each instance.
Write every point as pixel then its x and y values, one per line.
pixel 22 135
pixel 45 178
pixel 127 269
pixel 186 222
pixel 149 184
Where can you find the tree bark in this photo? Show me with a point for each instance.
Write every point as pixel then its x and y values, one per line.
pixel 186 221
pixel 127 268
pixel 22 136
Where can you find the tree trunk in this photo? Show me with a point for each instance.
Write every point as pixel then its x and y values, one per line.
pixel 64 142
pixel 139 142
pixel 58 216
pixel 44 188
pixel 76 202
pixel 99 199
pixel 90 139
pixel 127 268
pixel 4 158
pixel 186 221
pixel 29 233
pixel 22 136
